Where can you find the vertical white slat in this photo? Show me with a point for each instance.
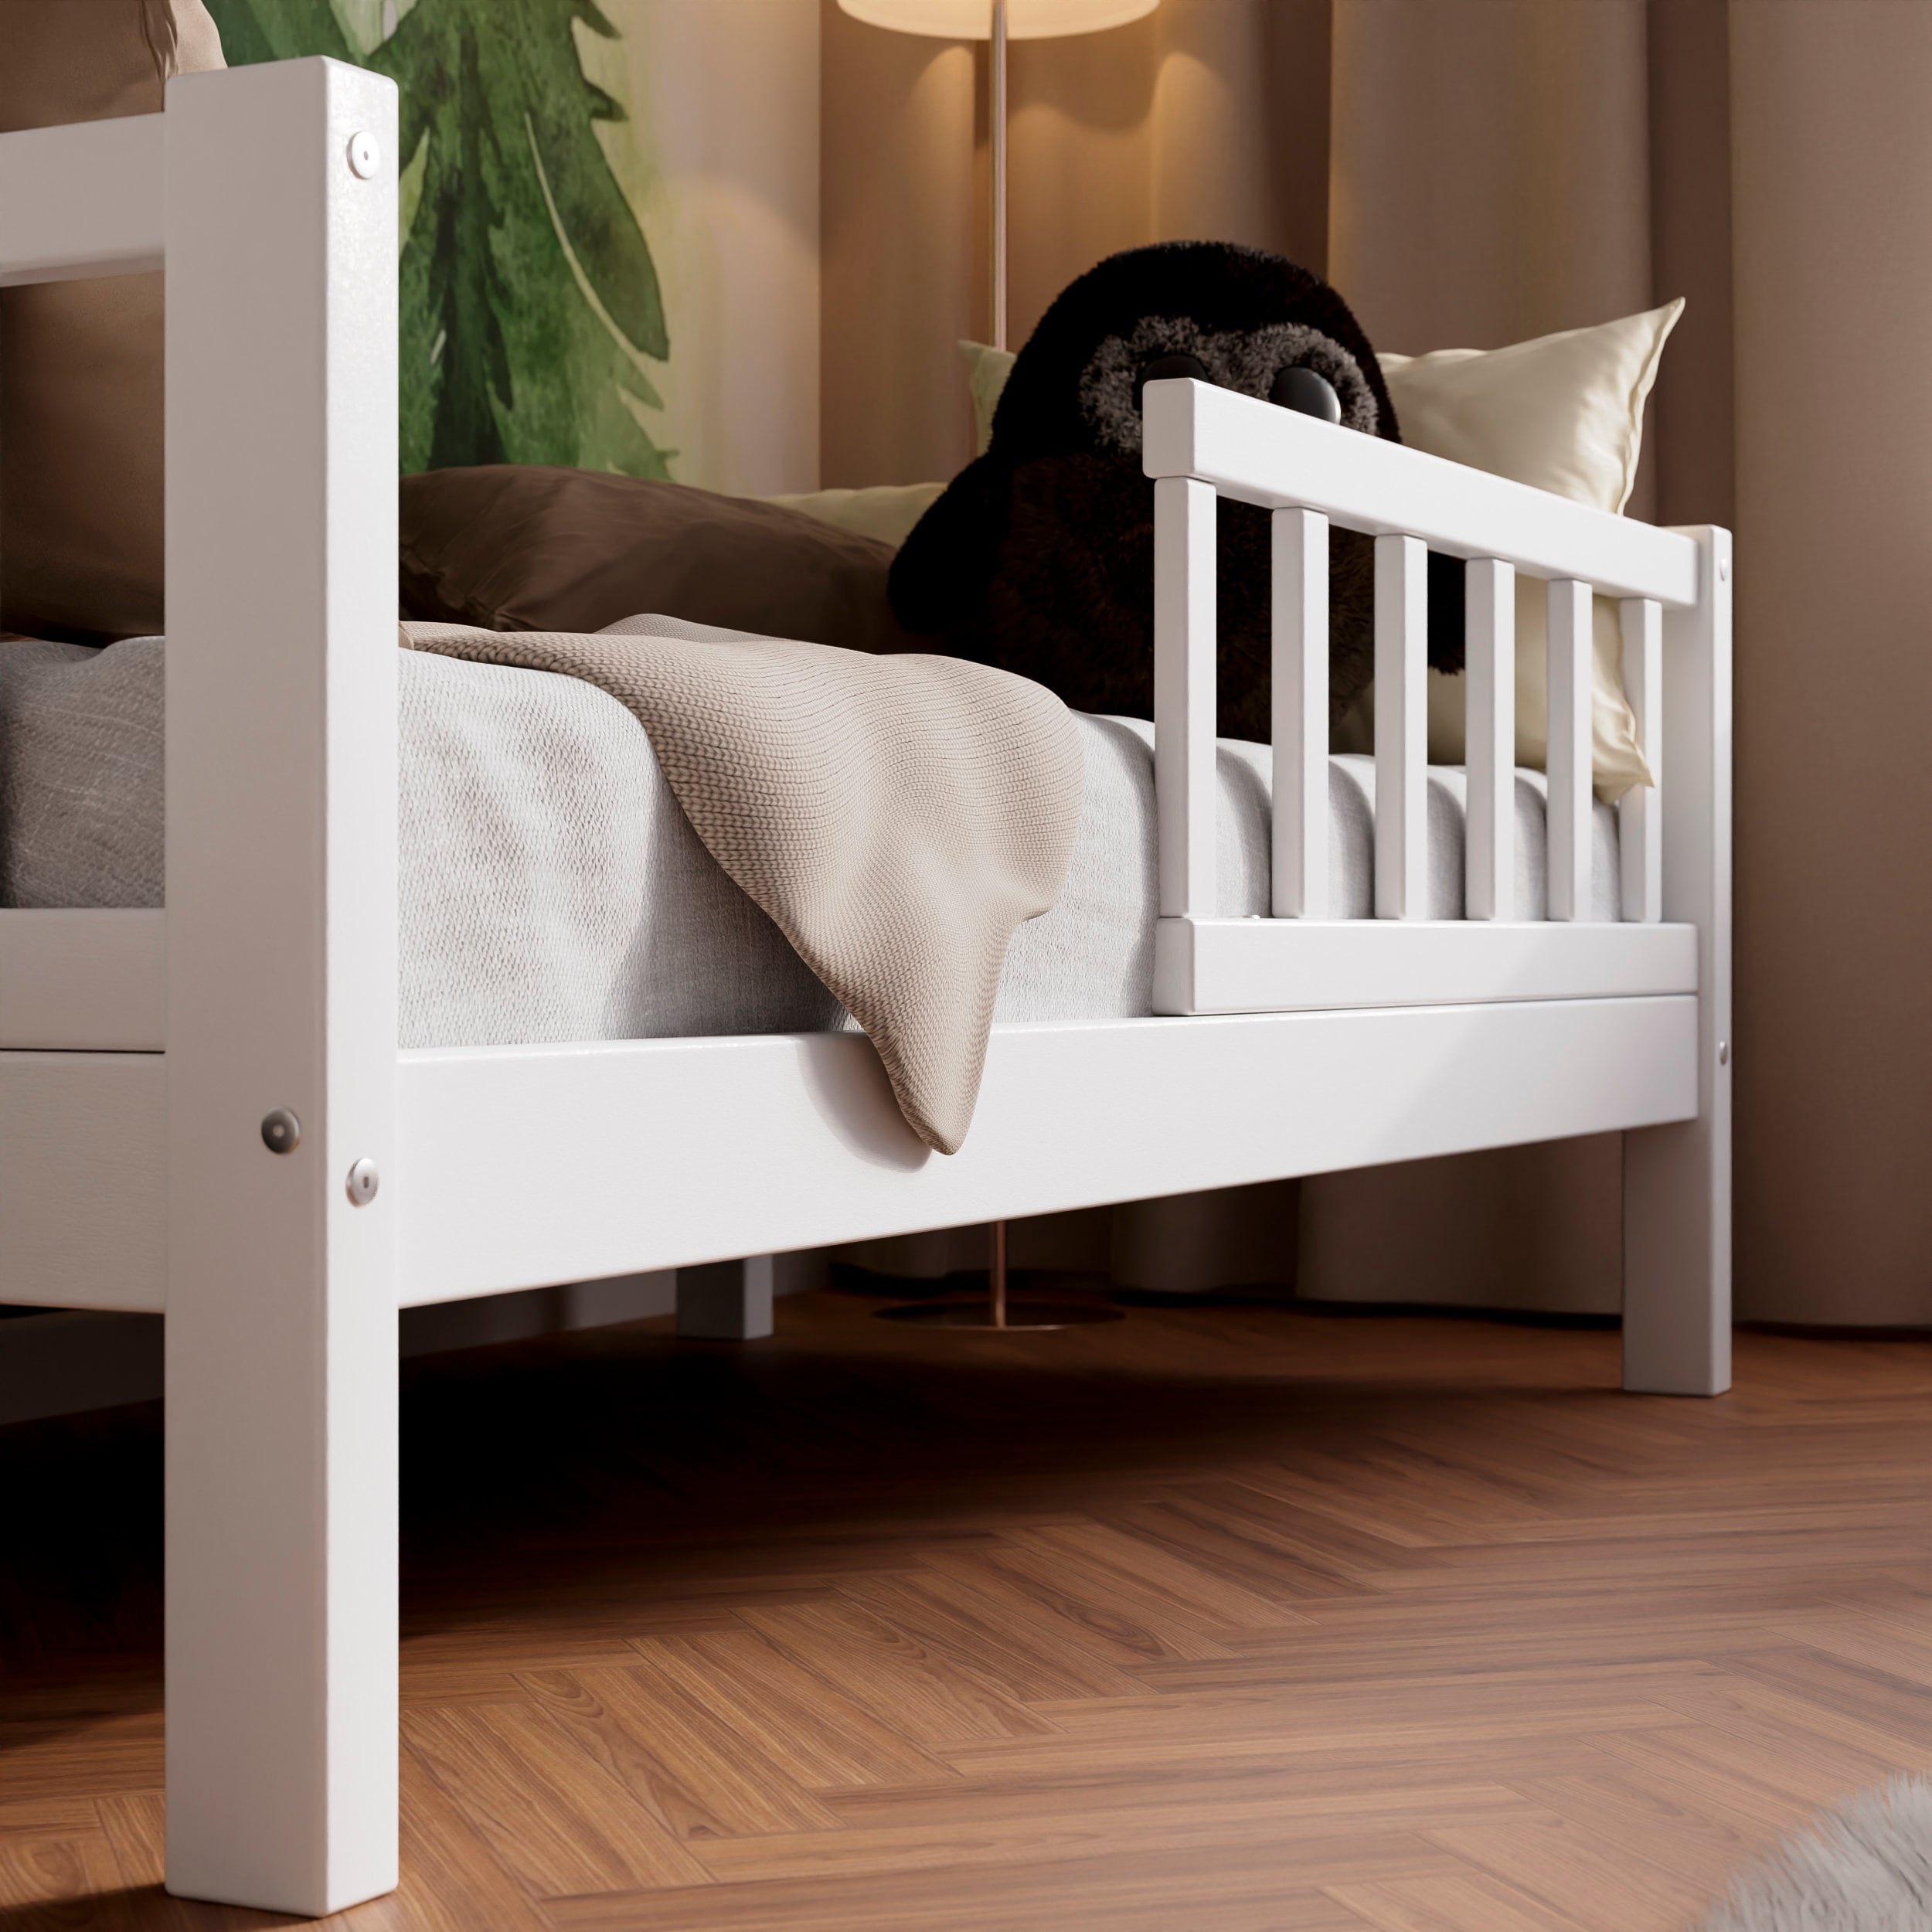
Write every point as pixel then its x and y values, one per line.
pixel 1569 756
pixel 281 882
pixel 1489 852
pixel 1640 811
pixel 1402 728
pixel 1677 1180
pixel 1299 686
pixel 1185 693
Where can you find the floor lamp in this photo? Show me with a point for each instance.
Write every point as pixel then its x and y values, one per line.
pixel 998 21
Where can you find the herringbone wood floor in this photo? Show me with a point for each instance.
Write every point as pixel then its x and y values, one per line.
pixel 1220 1620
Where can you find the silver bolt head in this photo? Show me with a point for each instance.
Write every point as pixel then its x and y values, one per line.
pixel 281 1132
pixel 364 155
pixel 1724 1053
pixel 363 1181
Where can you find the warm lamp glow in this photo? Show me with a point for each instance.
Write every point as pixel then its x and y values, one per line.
pixel 973 19
pixel 998 21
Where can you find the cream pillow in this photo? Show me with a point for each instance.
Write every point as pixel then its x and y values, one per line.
pixel 987 370
pixel 888 512
pixel 1566 414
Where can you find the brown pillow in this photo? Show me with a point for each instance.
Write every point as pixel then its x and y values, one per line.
pixel 524 547
pixel 80 363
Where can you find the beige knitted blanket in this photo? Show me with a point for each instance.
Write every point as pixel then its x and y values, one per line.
pixel 896 816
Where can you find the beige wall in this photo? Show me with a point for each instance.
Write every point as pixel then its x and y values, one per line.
pixel 896 185
pixel 1488 176
pixel 1832 132
pixel 719 158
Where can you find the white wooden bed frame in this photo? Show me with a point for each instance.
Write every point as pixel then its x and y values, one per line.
pixel 140 1050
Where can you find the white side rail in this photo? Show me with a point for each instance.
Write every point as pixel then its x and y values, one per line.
pixel 1203 443
pixel 81 200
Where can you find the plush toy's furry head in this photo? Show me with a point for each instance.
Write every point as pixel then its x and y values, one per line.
pixel 1039 557
pixel 1244 315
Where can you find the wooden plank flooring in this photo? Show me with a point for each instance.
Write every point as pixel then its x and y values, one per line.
pixel 1222 1620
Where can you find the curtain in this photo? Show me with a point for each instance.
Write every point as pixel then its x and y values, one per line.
pixel 1472 172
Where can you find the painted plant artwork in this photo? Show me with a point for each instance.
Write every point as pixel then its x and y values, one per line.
pixel 531 310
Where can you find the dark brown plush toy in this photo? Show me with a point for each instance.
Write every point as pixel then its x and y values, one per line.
pixel 1039 557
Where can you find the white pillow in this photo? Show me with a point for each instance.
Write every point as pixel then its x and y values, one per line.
pixel 887 512
pixel 1566 414
pixel 1563 412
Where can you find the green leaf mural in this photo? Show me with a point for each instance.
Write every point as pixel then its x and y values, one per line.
pixel 531 307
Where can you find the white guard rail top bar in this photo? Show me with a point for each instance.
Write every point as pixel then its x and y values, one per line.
pixel 81 200
pixel 1259 452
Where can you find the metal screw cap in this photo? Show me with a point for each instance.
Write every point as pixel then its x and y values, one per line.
pixel 363 1181
pixel 281 1132
pixel 1724 1053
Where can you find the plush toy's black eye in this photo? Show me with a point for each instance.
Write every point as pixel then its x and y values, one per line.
pixel 1301 390
pixel 1162 367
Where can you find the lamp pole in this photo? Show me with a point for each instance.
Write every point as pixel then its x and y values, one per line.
pixel 996 141
pixel 995 1313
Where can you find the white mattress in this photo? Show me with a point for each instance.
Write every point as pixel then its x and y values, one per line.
pixel 551 888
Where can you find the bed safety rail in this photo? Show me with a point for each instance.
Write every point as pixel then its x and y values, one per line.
pixel 1203 443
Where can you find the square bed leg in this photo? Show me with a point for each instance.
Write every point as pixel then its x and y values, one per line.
pixel 281 1559
pixel 1677 1180
pixel 284 1181
pixel 1677 1261
pixel 727 1301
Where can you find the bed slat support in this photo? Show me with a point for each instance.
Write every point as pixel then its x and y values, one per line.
pixel 281 883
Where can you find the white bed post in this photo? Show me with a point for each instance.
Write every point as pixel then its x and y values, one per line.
pixel 1677 1180
pixel 281 789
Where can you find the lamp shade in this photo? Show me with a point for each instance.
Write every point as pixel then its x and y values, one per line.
pixel 973 19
